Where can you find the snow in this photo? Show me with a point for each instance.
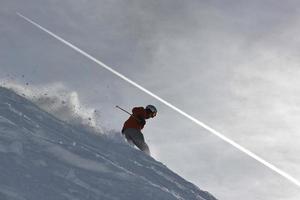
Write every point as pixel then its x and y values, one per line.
pixel 42 157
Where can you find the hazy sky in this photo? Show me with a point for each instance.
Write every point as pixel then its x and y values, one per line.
pixel 231 64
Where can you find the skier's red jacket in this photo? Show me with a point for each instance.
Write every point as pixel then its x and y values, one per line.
pixel 133 121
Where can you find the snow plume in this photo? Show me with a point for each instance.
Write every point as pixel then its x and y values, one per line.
pixel 59 101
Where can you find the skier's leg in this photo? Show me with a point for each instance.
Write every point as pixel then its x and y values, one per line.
pixel 130 142
pixel 139 141
pixel 128 138
pixel 137 138
pixel 144 147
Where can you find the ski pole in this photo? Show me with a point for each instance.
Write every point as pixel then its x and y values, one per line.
pixel 128 113
pixel 123 110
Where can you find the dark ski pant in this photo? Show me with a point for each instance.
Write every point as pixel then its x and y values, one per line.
pixel 136 137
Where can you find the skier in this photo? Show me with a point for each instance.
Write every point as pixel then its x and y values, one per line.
pixel 136 122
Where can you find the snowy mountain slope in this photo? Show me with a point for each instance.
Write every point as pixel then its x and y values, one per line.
pixel 42 157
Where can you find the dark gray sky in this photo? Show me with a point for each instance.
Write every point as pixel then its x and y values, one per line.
pixel 231 64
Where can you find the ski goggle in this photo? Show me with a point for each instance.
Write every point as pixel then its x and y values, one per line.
pixel 153 114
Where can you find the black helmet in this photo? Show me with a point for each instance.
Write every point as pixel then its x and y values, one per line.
pixel 152 109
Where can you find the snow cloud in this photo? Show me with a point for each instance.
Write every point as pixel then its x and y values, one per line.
pixel 59 101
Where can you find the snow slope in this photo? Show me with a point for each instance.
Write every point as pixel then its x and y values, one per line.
pixel 44 158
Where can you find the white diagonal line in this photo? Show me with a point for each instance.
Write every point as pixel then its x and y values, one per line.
pixel 213 131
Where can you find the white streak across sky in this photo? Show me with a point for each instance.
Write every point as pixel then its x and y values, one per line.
pixel 203 125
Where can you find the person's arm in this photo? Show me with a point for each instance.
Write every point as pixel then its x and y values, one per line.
pixel 140 114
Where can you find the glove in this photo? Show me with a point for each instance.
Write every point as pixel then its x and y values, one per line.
pixel 142 121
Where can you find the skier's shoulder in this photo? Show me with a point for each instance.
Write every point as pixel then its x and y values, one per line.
pixel 138 110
